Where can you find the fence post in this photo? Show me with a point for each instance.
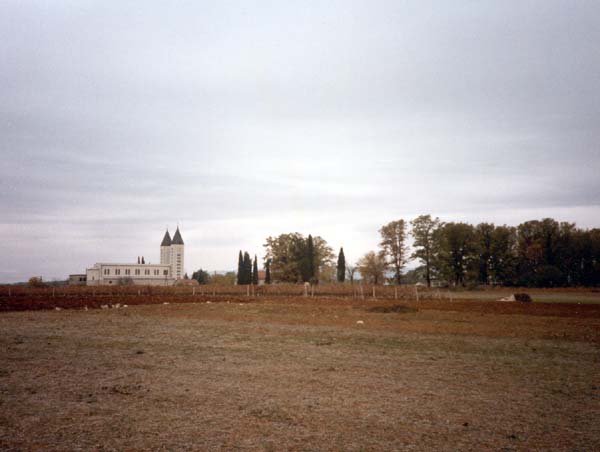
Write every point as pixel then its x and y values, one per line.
pixel 373 291
pixel 417 292
pixel 248 290
pixel 395 292
pixel 193 291
pixel 362 294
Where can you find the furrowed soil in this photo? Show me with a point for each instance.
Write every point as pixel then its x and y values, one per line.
pixel 302 374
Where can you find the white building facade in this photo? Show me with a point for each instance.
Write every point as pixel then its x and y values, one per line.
pixel 166 273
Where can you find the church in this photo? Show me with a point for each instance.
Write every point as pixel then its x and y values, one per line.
pixel 166 273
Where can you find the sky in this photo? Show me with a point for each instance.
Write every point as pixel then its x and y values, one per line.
pixel 239 120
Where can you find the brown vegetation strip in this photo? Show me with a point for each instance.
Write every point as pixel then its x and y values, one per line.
pixel 24 302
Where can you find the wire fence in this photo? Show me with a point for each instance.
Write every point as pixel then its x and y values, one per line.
pixel 360 291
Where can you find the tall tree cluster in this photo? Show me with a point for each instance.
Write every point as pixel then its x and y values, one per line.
pixel 538 253
pixel 244 273
pixel 294 258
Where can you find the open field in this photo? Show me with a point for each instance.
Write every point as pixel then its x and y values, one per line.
pixel 294 373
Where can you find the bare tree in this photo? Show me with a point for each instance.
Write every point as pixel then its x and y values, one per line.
pixel 350 271
pixel 372 267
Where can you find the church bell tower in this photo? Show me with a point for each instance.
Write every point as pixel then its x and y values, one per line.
pixel 177 255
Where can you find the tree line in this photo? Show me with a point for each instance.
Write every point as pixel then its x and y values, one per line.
pixel 537 253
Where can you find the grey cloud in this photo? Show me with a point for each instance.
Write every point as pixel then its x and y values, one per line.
pixel 116 118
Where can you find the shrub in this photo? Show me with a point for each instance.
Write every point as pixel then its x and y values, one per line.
pixel 523 297
pixel 396 308
pixel 125 281
pixel 36 281
pixel 472 285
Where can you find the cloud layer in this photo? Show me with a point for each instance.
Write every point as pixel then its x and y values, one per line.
pixel 244 120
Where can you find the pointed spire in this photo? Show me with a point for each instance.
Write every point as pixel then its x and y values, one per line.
pixel 166 240
pixel 177 240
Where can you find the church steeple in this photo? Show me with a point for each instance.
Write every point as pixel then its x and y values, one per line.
pixel 166 240
pixel 165 249
pixel 177 240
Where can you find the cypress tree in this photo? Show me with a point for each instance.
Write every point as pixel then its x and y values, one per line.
pixel 255 272
pixel 240 272
pixel 268 272
pixel 341 266
pixel 247 270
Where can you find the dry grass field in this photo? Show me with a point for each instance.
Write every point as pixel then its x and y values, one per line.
pixel 298 373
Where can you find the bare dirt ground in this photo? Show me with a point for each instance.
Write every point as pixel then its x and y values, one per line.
pixel 302 374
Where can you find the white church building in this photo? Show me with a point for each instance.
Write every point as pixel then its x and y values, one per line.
pixel 166 273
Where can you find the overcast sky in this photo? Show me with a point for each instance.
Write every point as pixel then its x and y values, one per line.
pixel 239 120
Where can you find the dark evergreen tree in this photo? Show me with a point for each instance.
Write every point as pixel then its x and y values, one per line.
pixel 255 272
pixel 341 266
pixel 268 272
pixel 240 271
pixel 247 269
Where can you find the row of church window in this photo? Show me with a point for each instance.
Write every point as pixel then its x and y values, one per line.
pixel 137 271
